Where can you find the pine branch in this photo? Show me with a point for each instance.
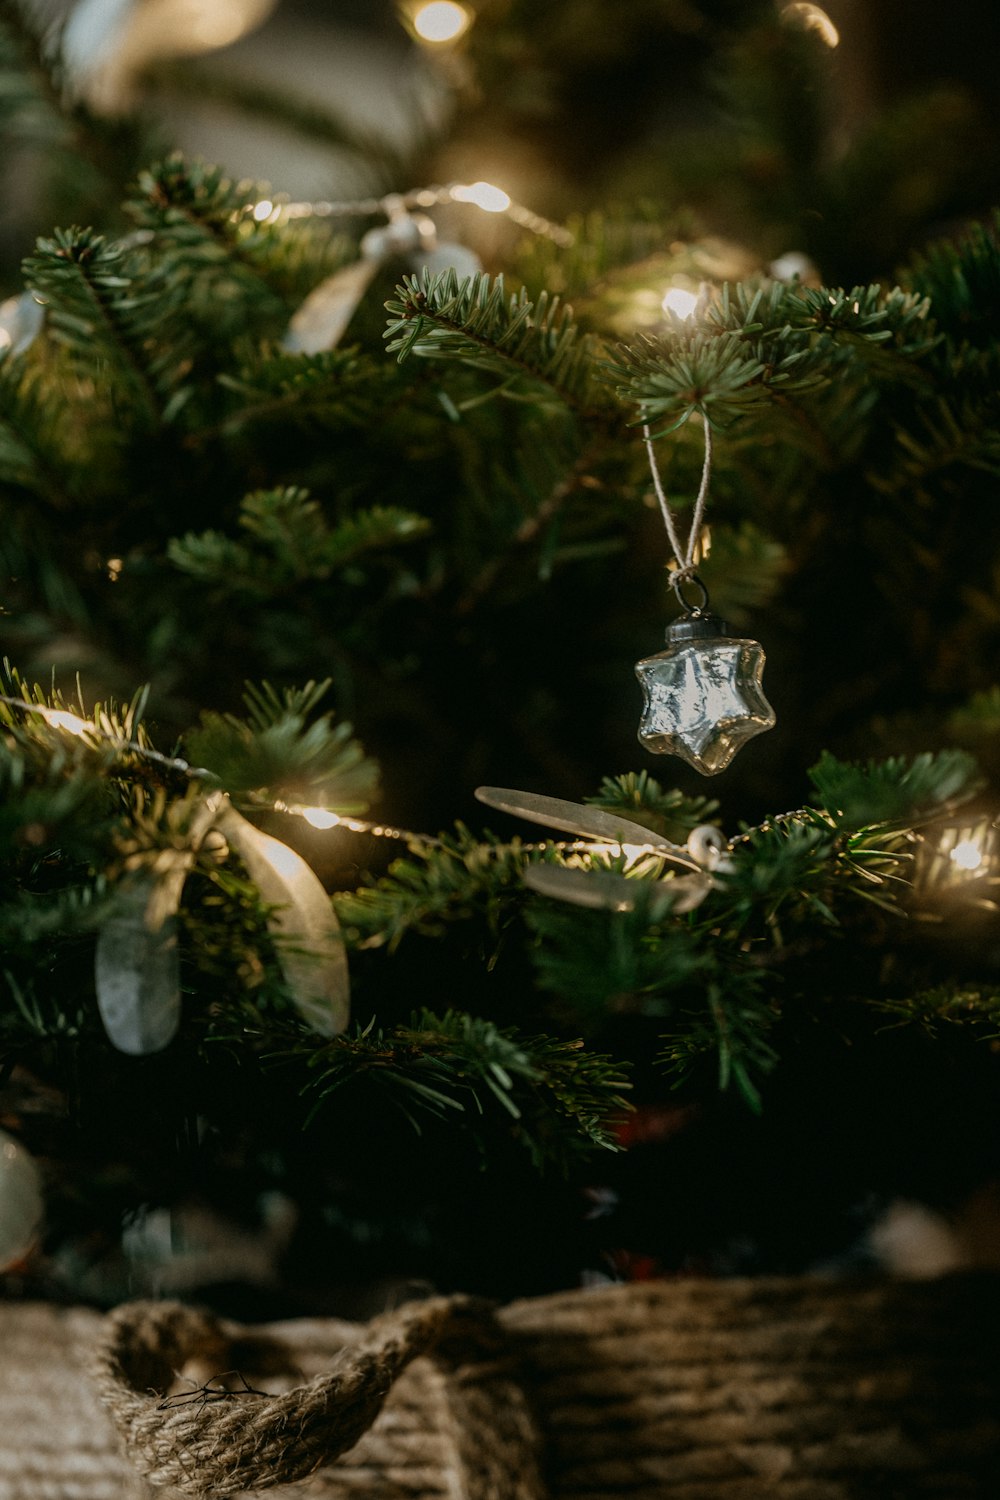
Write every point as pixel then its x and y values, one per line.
pixel 551 1095
pixel 444 881
pixel 961 280
pixel 28 429
pixel 733 1027
pixel 602 243
pixel 948 1004
pixel 768 344
pixel 207 228
pixel 318 391
pixel 897 791
pixel 96 307
pixel 290 543
pixel 641 798
pixel 31 96
pixel 569 484
pixel 476 323
pixel 276 754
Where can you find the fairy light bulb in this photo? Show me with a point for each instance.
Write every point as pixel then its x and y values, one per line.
pixel 681 302
pixel 484 195
pixel 967 855
pixel 441 21
pixel 319 817
pixel 956 855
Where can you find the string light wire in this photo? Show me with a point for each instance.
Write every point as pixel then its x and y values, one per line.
pixel 482 195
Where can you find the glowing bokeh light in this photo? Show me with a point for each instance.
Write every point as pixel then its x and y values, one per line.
pixel 484 195
pixel 263 210
pixel 967 855
pixel 320 817
pixel 441 21
pixel 680 302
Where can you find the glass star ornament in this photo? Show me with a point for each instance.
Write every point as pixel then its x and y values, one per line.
pixel 702 696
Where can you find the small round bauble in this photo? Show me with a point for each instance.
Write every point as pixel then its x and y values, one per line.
pixel 21 1201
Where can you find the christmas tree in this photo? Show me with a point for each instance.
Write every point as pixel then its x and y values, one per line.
pixel 311 529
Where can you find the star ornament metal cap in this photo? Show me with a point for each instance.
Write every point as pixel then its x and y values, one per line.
pixel 703 697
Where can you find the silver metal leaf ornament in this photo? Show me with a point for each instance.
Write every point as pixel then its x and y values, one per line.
pixel 580 819
pixel 310 949
pixel 607 890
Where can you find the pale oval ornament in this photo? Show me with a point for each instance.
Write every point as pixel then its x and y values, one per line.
pixel 22 1204
pixel 310 947
pixel 580 819
pixel 137 967
pixel 321 321
pixel 605 890
pixel 136 964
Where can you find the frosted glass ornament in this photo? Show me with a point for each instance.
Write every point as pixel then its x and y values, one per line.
pixel 137 968
pixel 311 952
pixel 136 965
pixel 321 321
pixel 21 1201
pixel 578 818
pixel 21 321
pixel 606 890
pixel 703 697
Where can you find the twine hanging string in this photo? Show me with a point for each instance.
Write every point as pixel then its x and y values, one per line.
pixel 684 554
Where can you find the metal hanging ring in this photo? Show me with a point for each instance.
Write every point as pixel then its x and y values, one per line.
pixel 677 584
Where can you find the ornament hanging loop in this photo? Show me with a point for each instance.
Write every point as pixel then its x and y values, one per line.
pixel 681 578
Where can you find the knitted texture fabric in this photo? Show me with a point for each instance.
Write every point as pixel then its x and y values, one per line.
pixel 787 1388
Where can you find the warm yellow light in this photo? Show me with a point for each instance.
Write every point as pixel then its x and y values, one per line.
pixel 441 21
pixel 812 18
pixel 72 723
pixel 967 855
pixel 484 195
pixel 263 210
pixel 681 302
pixel 319 817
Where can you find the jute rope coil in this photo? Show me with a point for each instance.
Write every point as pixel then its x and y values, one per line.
pixel 222 1442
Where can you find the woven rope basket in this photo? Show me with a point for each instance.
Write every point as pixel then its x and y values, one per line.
pixel 801 1390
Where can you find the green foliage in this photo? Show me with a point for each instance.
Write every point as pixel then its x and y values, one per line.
pixel 893 791
pixel 276 754
pixel 601 964
pixel 744 571
pixel 445 880
pixel 475 322
pixel 311 391
pixel 290 541
pixel 457 1062
pixel 767 343
pixel 96 306
pixel 732 1025
pixel 948 1004
pixel 639 796
pixel 960 277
